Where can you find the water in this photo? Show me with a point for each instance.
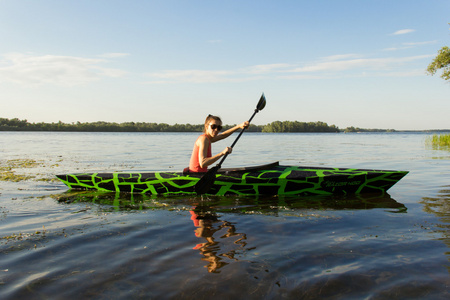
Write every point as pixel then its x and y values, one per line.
pixel 63 245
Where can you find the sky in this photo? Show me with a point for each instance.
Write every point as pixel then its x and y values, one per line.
pixel 354 63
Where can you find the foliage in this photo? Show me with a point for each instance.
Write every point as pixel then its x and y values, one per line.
pixel 295 126
pixel 277 126
pixel 441 140
pixel 23 125
pixel 357 129
pixel 441 61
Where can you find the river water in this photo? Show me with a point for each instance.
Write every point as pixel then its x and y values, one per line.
pixel 60 244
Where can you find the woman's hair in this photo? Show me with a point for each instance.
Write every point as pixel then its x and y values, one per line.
pixel 208 119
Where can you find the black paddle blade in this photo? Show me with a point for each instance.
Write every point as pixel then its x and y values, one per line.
pixel 206 182
pixel 261 103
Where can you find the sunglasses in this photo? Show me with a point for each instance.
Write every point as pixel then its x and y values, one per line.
pixel 214 127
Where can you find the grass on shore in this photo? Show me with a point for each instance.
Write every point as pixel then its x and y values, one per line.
pixel 441 140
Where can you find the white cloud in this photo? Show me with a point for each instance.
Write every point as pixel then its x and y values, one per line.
pixel 193 76
pixel 402 31
pixel 29 69
pixel 208 76
pixel 341 56
pixel 114 55
pixel 420 43
pixel 265 69
pixel 339 65
pixel 359 64
pixel 328 67
pixel 410 45
pixel 395 48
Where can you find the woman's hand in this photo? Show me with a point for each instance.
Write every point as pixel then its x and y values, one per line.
pixel 226 150
pixel 244 125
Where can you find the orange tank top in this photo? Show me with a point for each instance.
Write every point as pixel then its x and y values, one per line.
pixel 194 164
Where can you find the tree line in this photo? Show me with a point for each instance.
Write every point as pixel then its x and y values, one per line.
pixel 277 126
pixel 296 126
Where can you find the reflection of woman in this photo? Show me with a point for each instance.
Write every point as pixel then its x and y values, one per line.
pixel 201 156
pixel 210 248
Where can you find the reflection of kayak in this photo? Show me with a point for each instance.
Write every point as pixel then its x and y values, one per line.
pixel 262 204
pixel 271 179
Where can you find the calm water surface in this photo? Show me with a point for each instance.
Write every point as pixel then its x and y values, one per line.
pixel 68 245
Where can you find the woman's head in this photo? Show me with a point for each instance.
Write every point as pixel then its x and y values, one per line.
pixel 213 123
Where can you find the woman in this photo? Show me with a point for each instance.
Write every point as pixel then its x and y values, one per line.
pixel 201 154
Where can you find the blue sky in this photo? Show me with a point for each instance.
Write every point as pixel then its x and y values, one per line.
pixel 347 63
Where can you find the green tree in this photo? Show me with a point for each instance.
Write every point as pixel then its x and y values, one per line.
pixel 295 126
pixel 441 61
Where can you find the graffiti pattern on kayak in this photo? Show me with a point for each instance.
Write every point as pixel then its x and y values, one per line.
pixel 278 180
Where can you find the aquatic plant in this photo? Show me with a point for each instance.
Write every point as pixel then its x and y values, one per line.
pixel 439 141
pixel 8 173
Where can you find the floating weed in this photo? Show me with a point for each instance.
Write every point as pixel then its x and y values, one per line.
pixel 11 176
pixel 23 163
pixel 17 237
pixel 8 170
pixel 29 238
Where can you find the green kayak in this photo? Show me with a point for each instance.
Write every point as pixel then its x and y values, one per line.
pixel 271 179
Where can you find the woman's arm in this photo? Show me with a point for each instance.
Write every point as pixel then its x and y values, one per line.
pixel 203 146
pixel 228 132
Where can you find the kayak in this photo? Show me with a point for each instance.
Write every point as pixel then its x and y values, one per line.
pixel 270 179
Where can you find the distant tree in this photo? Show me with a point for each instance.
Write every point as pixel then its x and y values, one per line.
pixel 352 129
pixel 13 124
pixel 441 61
pixel 295 126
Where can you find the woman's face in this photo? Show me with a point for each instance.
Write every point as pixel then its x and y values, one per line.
pixel 213 128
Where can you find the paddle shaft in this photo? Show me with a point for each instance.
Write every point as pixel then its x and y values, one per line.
pixel 235 141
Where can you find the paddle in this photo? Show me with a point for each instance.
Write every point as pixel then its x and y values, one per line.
pixel 207 181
